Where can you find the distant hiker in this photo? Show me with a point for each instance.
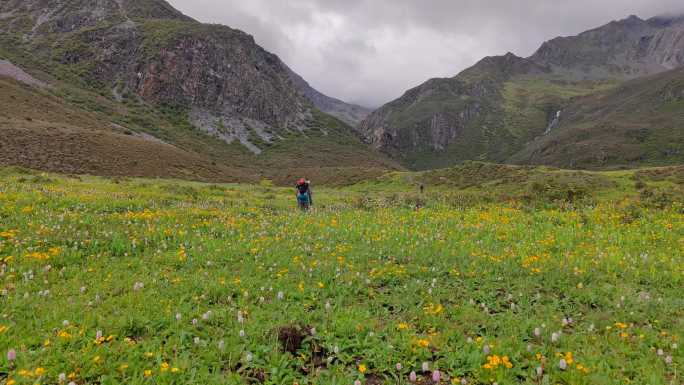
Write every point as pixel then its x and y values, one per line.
pixel 304 196
pixel 419 200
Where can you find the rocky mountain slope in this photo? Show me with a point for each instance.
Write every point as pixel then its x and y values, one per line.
pixel 351 114
pixel 492 110
pixel 625 49
pixel 173 78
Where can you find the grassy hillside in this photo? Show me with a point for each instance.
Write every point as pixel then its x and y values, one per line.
pixel 144 281
pixel 638 123
pixel 66 129
pixel 530 102
pixel 604 124
pixel 473 183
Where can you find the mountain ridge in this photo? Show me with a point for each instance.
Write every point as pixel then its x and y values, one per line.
pixel 485 121
pixel 115 30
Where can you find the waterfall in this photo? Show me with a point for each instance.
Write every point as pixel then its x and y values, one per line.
pixel 554 122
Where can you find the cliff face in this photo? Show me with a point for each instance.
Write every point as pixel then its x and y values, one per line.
pixel 448 104
pixel 493 109
pixel 221 71
pixel 628 48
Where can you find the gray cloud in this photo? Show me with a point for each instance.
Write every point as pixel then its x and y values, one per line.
pixel 371 51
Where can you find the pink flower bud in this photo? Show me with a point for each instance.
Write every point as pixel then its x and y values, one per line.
pixel 398 366
pixel 11 355
pixel 413 377
pixel 436 376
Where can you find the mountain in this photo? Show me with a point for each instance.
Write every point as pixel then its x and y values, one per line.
pixel 625 49
pixel 351 114
pixel 491 111
pixel 451 119
pixel 209 90
pixel 638 123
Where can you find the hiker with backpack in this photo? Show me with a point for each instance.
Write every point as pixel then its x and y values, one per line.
pixel 304 196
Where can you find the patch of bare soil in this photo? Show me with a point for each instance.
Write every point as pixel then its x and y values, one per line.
pixel 10 70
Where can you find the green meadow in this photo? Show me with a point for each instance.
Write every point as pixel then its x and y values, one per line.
pixel 527 276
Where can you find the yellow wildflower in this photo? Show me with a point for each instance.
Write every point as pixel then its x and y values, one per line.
pixel 64 334
pixel 506 362
pixel 433 309
pixel 493 362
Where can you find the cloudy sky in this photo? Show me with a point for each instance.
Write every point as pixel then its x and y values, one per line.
pixel 371 51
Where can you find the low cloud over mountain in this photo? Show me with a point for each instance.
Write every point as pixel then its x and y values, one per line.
pixel 370 51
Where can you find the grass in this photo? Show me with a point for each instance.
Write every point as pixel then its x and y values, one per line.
pixel 140 281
